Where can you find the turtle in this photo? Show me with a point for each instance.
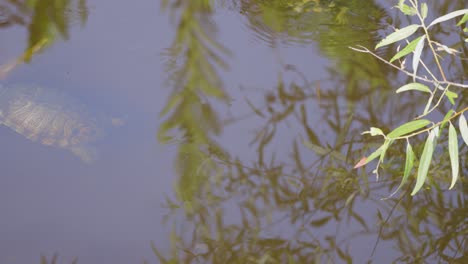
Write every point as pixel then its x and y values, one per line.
pixel 53 118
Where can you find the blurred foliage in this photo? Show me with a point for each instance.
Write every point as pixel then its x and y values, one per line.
pixel 55 260
pixel 45 19
pixel 191 121
pixel 297 209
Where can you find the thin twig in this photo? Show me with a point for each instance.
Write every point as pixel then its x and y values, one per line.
pixel 388 218
pixel 429 41
pixel 366 50
pixel 433 126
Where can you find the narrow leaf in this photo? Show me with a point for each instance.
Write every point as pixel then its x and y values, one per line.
pixel 398 35
pixel 406 9
pixel 428 104
pixel 414 86
pixel 448 16
pixel 417 55
pixel 384 149
pixel 451 96
pixel 408 128
pixel 406 50
pixel 424 10
pixel 371 157
pixel 408 167
pixel 463 20
pixel 463 128
pixel 446 118
pixel 424 162
pixel 374 131
pixel 453 151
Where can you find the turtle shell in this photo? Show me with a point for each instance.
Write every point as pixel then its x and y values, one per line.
pixel 52 118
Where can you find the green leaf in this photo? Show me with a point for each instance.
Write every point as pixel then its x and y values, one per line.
pixel 408 128
pixel 406 9
pixel 424 162
pixel 463 128
pixel 398 35
pixel 446 118
pixel 463 20
pixel 406 50
pixel 417 55
pixel 414 86
pixel 408 167
pixel 428 104
pixel 451 96
pixel 374 131
pixel 424 10
pixel 448 16
pixel 368 159
pixel 453 151
pixel 385 146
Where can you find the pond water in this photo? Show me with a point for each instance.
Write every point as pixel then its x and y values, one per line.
pixel 239 124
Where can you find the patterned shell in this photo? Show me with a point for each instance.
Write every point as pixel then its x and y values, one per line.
pixel 51 118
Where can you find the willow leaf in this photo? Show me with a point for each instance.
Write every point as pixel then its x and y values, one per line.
pixel 417 55
pixel 428 104
pixel 424 162
pixel 463 20
pixel 406 50
pixel 463 128
pixel 446 118
pixel 408 167
pixel 368 159
pixel 451 96
pixel 424 10
pixel 453 151
pixel 406 9
pixel 448 16
pixel 374 131
pixel 414 86
pixel 398 35
pixel 408 128
pixel 385 146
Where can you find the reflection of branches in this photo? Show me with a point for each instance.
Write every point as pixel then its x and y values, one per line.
pixel 193 58
pixel 303 209
pixel 12 14
pixel 54 260
pixel 45 20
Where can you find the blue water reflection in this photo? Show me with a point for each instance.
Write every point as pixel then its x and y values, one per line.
pixel 110 210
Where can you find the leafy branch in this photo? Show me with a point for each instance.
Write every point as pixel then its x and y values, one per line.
pixel 441 86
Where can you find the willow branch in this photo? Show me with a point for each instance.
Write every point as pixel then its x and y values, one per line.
pixel 410 74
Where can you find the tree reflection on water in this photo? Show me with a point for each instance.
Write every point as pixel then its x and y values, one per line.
pixel 311 207
pixel 303 203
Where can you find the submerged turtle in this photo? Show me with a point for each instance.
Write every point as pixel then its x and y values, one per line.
pixel 52 118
